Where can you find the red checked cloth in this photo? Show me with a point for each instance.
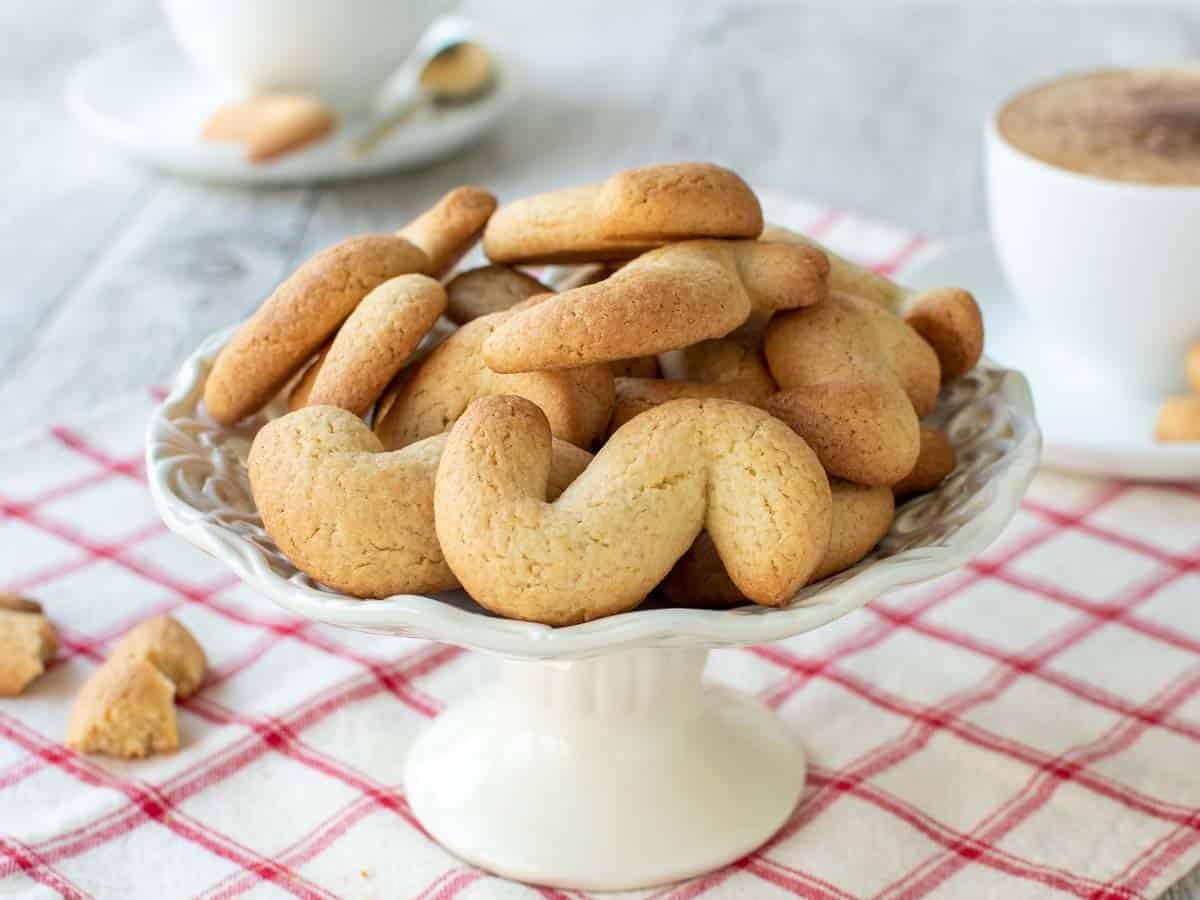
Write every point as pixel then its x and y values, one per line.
pixel 1028 727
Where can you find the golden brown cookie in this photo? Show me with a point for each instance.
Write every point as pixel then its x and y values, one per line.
pixel 18 603
pixel 433 394
pixel 1179 419
pixel 619 528
pixel 1192 366
pixel 126 708
pixel 302 389
pixel 170 648
pixel 947 318
pixel 720 361
pixel 375 343
pixel 353 516
pixel 636 395
pixel 450 227
pixel 861 517
pixel 935 461
pixel 298 318
pixel 488 289
pixel 27 643
pixel 630 213
pixel 271 125
pixel 664 300
pixel 854 380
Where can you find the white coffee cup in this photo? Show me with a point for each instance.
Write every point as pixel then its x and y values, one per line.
pixel 1108 271
pixel 341 50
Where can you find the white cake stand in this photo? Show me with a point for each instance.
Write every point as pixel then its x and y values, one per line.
pixel 599 759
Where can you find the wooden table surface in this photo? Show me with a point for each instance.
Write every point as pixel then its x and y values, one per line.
pixel 112 274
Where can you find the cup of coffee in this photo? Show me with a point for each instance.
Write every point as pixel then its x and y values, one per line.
pixel 340 50
pixel 1093 185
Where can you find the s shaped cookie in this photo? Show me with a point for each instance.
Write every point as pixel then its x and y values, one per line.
pixel 621 525
pixel 300 316
pixel 353 516
pixel 948 318
pixel 861 517
pixel 627 214
pixel 854 380
pixel 433 394
pixel 663 300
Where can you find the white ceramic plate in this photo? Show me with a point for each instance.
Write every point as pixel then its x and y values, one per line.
pixel 1089 426
pixel 198 478
pixel 145 99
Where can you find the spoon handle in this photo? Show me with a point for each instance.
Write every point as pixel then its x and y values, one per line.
pixel 378 129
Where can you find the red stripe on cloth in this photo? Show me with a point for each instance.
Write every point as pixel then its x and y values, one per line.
pixel 1037 792
pixel 220 766
pixel 897 260
pixel 1184 815
pixel 802 884
pixel 149 804
pixel 29 862
pixel 824 223
pixel 69 437
pixel 20 770
pixel 1154 861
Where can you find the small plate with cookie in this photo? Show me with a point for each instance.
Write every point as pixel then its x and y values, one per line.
pixel 689 431
pixel 144 98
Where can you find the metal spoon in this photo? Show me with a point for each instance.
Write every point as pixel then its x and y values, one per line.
pixel 447 68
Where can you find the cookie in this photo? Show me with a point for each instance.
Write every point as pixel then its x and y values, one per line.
pixel 1179 419
pixel 619 528
pixel 271 125
pixel 349 514
pixel 450 228
pixel 635 396
pixel 27 643
pixel 433 394
pixel 126 708
pixel 626 215
pixel 664 300
pixel 637 367
pixel 302 389
pixel 298 318
pixel 947 318
pixel 1192 366
pixel 935 460
pixel 719 361
pixel 488 289
pixel 374 343
pixel 861 517
pixel 854 380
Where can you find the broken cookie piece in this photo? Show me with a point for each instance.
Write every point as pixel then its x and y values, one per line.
pixel 127 707
pixel 27 643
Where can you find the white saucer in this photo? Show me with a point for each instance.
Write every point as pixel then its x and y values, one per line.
pixel 145 98
pixel 1086 425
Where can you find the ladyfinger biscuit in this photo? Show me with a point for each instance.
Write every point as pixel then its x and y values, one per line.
pixel 298 318
pixel 628 214
pixel 619 528
pixel 450 228
pixel 664 300
pixel 488 289
pixel 376 341
pixel 271 125
pixel 353 516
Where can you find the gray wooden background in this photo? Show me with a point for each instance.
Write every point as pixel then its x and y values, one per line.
pixel 111 274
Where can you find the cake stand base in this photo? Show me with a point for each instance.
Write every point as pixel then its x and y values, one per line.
pixel 616 772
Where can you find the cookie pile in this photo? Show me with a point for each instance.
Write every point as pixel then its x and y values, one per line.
pixel 753 401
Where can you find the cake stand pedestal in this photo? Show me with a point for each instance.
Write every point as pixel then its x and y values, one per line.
pixel 614 772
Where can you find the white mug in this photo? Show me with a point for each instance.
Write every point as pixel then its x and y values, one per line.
pixel 1107 271
pixel 341 50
